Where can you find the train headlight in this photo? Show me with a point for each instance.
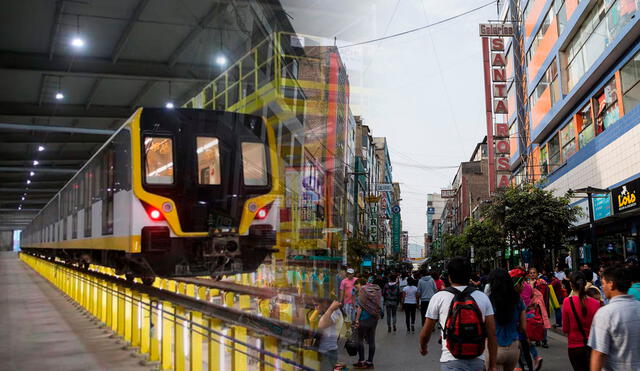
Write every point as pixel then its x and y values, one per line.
pixel 155 214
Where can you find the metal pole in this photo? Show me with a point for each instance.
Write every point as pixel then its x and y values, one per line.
pixel 592 232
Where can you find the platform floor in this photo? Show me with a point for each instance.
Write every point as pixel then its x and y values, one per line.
pixel 41 330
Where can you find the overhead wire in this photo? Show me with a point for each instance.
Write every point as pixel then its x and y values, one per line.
pixel 418 28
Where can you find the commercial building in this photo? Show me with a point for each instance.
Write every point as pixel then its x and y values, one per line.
pixel 435 207
pixel 573 70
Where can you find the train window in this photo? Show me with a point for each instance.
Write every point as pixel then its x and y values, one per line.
pixel 254 164
pixel 208 150
pixel 159 160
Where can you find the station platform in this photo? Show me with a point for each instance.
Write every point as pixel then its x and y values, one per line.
pixel 42 330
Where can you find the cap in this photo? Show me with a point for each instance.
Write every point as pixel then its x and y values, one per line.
pixel 350 271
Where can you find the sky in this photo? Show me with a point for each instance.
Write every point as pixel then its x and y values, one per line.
pixel 423 91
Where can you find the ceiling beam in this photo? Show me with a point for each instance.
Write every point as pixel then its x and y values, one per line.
pixel 54 129
pixel 55 27
pixel 135 102
pixel 64 110
pixel 94 67
pixel 31 190
pixel 39 169
pixel 23 202
pixel 124 37
pixel 22 211
pixel 92 92
pixel 195 33
pixel 44 157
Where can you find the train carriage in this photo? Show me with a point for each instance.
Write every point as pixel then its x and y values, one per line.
pixel 181 192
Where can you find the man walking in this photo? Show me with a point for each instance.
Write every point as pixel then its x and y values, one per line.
pixel 426 289
pixel 346 295
pixel 615 331
pixel 459 274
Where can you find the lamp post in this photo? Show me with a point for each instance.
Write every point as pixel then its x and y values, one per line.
pixel 590 191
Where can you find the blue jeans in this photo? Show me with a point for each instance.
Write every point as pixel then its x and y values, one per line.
pixel 558 316
pixel 475 364
pixel 328 360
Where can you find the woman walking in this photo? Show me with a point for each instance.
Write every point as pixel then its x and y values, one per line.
pixel 391 295
pixel 510 318
pixel 577 315
pixel 368 312
pixel 409 303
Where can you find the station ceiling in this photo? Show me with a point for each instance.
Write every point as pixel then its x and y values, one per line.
pixel 135 53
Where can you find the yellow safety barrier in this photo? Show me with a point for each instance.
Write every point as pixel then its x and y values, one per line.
pixel 172 336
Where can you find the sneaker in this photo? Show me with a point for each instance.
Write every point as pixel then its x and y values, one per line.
pixel 545 345
pixel 413 329
pixel 394 328
pixel 359 364
pixel 388 328
pixel 368 365
pixel 537 363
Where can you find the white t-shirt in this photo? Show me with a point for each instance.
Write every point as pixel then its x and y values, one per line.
pixel 560 275
pixel 439 309
pixel 568 261
pixel 410 295
pixel 329 339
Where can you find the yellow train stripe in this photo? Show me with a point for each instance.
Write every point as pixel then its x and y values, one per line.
pixel 120 243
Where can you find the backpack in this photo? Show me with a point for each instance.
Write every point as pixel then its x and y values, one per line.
pixel 464 331
pixel 391 293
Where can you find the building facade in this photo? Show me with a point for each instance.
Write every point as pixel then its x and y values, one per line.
pixel 573 113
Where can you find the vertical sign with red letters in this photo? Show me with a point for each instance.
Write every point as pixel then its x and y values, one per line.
pixel 497 115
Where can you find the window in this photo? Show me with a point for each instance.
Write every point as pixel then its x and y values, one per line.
pixel 549 79
pixel 561 14
pixel 606 107
pixel 208 150
pixel 159 160
pixel 585 126
pixel 544 27
pixel 254 164
pixel 630 74
pixel 543 160
pixel 603 24
pixel 568 140
pixel 554 153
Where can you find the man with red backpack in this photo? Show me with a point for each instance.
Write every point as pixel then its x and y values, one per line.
pixel 466 317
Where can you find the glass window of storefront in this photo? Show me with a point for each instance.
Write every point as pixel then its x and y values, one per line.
pixel 568 140
pixel 630 75
pixel 602 25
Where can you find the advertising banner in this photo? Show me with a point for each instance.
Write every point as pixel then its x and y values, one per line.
pixel 601 206
pixel 625 197
pixel 396 229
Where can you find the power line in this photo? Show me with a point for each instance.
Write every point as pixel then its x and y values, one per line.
pixel 418 28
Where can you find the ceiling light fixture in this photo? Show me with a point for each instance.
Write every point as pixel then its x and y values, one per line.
pixel 77 42
pixel 20 207
pixel 40 148
pixel 28 181
pixel 35 162
pixel 169 105
pixel 221 60
pixel 32 173
pixel 22 198
pixel 59 96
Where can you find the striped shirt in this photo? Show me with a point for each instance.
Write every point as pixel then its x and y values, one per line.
pixel 615 331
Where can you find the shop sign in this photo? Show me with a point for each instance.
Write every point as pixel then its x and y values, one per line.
pixel 431 210
pixel 396 230
pixel 496 29
pixel 447 193
pixel 384 187
pixel 625 197
pixel 601 206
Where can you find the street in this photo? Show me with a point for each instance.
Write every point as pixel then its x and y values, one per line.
pixel 400 350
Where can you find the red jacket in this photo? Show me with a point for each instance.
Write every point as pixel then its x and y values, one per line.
pixel 569 323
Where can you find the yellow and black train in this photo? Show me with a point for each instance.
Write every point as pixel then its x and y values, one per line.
pixel 174 192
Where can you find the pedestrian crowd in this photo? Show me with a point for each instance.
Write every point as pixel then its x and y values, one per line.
pixel 491 320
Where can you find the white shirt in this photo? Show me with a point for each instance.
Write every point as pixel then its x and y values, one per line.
pixel 568 261
pixel 560 275
pixel 410 295
pixel 329 339
pixel 439 309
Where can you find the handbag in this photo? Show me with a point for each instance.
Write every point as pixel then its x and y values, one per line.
pixel 535 326
pixel 351 345
pixel 584 334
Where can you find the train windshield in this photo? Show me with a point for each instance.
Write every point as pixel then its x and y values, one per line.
pixel 208 150
pixel 158 160
pixel 254 164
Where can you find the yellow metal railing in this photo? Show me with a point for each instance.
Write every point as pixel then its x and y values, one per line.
pixel 175 337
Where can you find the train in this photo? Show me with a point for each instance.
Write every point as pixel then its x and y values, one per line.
pixel 172 193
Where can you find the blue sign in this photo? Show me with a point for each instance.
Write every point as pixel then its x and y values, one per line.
pixel 431 210
pixel 601 206
pixel 366 263
pixel 396 209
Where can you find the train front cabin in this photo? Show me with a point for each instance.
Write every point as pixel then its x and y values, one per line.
pixel 182 192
